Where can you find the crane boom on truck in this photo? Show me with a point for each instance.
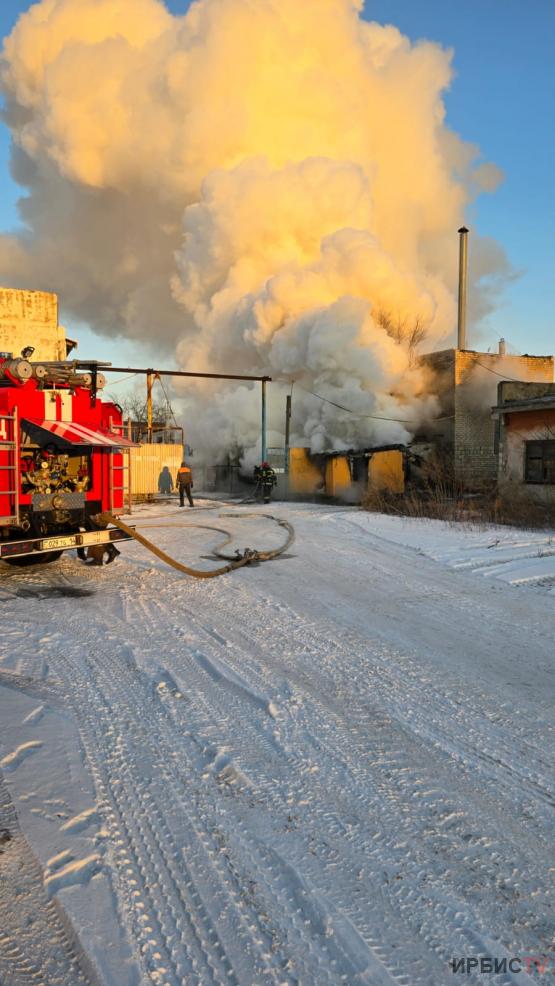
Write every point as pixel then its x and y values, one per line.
pixel 62 462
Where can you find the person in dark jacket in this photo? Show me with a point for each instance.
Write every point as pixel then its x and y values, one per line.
pixel 266 479
pixel 165 481
pixel 184 483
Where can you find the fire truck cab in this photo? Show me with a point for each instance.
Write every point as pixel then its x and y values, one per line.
pixel 63 461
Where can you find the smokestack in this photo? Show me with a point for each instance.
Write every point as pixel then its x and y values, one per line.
pixel 463 266
pixel 502 347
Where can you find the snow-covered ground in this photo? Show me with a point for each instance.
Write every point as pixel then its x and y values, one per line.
pixel 336 767
pixel 515 556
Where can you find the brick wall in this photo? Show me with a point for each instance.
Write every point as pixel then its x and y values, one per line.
pixel 441 381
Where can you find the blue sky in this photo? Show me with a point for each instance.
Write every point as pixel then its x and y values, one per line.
pixel 502 98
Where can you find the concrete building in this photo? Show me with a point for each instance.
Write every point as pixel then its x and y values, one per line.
pixel 466 384
pixel 30 318
pixel 524 420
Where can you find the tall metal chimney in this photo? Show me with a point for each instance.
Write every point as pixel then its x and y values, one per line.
pixel 463 267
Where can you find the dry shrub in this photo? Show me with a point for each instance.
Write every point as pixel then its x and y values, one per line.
pixel 521 510
pixel 417 503
pixel 437 495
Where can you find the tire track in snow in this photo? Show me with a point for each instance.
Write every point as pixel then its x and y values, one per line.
pixel 417 701
pixel 330 818
pixel 176 938
pixel 389 794
pixel 37 942
pixel 275 888
pixel 307 944
pixel 98 724
pixel 142 808
pixel 415 781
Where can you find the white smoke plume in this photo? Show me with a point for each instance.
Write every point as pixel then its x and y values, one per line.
pixel 257 186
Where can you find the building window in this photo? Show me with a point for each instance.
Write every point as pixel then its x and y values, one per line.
pixel 540 462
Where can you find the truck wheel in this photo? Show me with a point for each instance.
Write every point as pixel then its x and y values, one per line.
pixel 42 559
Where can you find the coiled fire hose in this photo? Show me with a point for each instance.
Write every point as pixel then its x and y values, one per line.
pixel 238 560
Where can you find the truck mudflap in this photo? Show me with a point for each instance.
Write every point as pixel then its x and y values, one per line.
pixel 60 542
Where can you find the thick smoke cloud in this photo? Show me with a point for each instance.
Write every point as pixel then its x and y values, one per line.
pixel 258 186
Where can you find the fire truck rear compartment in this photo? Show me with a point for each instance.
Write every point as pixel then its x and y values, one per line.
pixel 63 466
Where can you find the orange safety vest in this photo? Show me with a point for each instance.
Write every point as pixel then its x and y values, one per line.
pixel 184 476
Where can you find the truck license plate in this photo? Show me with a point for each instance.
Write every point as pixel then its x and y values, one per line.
pixel 75 540
pixel 50 544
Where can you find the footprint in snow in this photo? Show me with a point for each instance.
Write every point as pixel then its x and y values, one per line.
pixel 79 822
pixel 13 760
pixel 74 872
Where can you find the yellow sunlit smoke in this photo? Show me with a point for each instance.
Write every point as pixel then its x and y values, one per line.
pixel 259 185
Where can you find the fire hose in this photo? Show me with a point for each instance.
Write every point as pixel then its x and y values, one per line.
pixel 238 560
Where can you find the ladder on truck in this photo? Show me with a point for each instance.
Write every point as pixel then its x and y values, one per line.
pixel 9 465
pixel 124 471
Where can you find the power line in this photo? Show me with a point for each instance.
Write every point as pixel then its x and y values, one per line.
pixel 168 402
pixel 375 417
pixel 497 374
pixel 114 383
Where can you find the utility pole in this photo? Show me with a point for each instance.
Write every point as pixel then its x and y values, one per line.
pixel 287 432
pixel 149 383
pixel 263 451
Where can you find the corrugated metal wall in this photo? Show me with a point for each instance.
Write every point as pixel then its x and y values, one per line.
pixel 147 463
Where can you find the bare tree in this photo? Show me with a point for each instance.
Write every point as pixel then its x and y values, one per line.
pixel 406 331
pixel 134 406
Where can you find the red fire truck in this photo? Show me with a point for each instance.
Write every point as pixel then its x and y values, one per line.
pixel 62 462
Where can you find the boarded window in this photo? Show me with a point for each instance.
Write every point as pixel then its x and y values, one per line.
pixel 540 462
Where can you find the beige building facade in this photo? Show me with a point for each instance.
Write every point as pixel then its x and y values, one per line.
pixel 30 318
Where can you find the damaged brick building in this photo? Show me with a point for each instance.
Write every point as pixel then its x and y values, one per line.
pixel 524 421
pixel 466 382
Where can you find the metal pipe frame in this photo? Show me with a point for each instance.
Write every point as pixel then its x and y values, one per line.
pixel 180 373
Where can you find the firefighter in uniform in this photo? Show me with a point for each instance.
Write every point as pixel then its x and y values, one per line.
pixel 266 479
pixel 184 483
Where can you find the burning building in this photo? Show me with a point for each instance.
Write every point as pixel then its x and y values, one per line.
pixel 265 188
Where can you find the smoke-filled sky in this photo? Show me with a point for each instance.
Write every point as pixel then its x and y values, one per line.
pixel 265 186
